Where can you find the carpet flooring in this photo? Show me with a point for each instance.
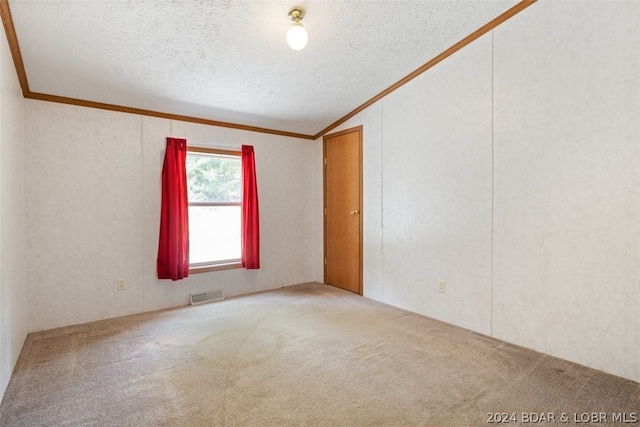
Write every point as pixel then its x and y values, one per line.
pixel 306 355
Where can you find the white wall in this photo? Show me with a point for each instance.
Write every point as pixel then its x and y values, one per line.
pixel 437 191
pixel 510 170
pixel 567 140
pixel 13 311
pixel 93 211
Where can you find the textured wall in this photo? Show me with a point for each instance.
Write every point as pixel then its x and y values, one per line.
pixel 437 191
pixel 13 304
pixel 566 135
pixel 93 206
pixel 510 170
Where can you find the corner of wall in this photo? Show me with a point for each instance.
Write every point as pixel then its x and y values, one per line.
pixel 14 324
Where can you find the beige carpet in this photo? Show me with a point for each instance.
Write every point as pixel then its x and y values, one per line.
pixel 307 355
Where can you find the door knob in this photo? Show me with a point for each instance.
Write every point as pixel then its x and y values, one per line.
pixel 355 212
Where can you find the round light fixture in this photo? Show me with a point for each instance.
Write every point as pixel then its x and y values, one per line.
pixel 297 37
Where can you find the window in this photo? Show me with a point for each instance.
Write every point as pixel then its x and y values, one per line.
pixel 215 196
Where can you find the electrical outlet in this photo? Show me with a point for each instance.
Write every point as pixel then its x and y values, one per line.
pixel 442 286
pixel 122 285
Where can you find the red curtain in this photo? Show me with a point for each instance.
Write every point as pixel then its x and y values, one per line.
pixel 173 248
pixel 250 220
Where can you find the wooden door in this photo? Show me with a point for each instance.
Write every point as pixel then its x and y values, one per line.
pixel 343 209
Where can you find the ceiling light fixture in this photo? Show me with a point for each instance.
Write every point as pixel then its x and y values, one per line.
pixel 297 36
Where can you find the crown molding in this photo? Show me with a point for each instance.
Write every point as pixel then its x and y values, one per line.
pixel 143 112
pixel 12 38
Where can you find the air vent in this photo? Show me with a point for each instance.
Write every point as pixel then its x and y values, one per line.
pixel 195 299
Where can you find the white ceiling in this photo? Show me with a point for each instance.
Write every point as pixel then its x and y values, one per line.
pixel 227 60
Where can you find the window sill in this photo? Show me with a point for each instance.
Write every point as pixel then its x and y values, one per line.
pixel 216 267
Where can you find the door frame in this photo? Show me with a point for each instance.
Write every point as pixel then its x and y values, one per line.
pixel 358 129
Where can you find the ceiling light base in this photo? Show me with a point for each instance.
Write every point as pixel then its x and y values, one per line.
pixel 296 14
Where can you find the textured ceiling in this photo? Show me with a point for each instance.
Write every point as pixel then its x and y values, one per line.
pixel 227 60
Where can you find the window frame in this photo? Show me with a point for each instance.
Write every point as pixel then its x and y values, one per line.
pixel 204 267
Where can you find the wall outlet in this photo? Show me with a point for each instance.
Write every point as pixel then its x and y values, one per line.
pixel 122 285
pixel 442 286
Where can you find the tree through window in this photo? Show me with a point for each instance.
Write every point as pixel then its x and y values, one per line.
pixel 215 196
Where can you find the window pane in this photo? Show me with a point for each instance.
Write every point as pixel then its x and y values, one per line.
pixel 213 178
pixel 214 233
